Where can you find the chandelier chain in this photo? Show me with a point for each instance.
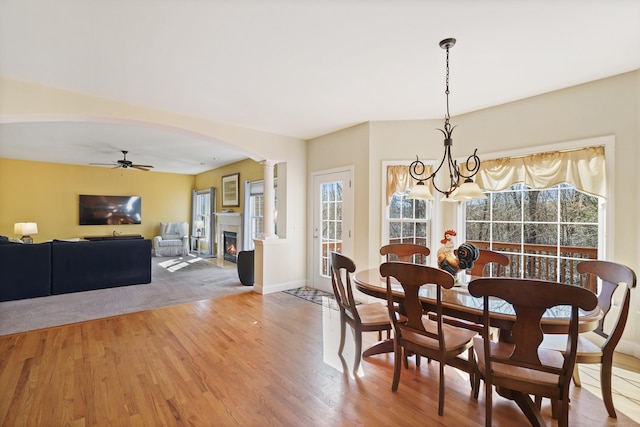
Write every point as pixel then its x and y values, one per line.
pixel 446 91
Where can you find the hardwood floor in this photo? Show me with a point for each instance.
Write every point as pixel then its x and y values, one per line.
pixel 245 359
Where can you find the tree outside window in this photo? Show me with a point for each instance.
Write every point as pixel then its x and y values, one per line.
pixel 544 232
pixel 407 220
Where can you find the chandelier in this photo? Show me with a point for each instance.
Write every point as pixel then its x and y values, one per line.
pixel 456 191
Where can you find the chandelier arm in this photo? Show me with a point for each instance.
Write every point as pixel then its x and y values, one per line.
pixel 472 159
pixel 445 192
pixel 416 170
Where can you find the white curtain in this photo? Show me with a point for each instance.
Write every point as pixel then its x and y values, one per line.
pixel 399 180
pixel 583 168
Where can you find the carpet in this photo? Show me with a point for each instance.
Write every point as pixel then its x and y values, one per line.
pixel 199 279
pixel 314 295
pixel 188 263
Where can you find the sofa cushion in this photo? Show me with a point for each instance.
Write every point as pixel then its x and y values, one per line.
pixel 85 265
pixel 25 269
pixel 165 243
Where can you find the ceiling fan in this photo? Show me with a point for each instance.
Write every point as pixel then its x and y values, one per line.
pixel 124 163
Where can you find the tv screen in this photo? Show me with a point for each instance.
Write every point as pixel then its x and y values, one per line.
pixel 110 210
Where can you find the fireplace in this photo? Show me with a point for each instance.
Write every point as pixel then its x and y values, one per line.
pixel 228 223
pixel 230 246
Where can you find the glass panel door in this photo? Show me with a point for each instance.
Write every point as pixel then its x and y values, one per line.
pixel 333 218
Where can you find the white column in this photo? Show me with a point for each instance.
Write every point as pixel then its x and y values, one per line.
pixel 269 231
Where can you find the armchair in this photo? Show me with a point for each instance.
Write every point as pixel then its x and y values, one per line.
pixel 173 239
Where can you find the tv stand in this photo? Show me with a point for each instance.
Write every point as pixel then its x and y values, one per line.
pixel 107 237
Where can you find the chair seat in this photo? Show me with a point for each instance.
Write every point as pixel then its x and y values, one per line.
pixel 455 339
pixel 558 342
pixel 373 315
pixel 518 373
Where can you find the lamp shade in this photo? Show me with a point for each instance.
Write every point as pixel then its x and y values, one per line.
pixel 17 228
pixel 198 224
pixel 29 228
pixel 25 228
pixel 469 190
pixel 420 191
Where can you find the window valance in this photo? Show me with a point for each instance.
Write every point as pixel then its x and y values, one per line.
pixel 583 168
pixel 399 180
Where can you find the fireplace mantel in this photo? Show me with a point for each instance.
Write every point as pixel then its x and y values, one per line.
pixel 227 221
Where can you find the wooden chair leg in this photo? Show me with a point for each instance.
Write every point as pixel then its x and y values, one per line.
pixel 556 406
pixel 398 355
pixel 476 384
pixel 357 337
pixel 441 388
pixel 343 327
pixel 488 403
pixel 576 376
pixel 605 385
pixel 472 364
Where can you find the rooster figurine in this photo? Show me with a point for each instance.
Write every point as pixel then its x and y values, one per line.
pixel 452 260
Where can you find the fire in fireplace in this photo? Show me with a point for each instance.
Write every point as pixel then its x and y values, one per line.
pixel 230 246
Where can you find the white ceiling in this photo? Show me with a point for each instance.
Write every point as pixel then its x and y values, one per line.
pixel 300 68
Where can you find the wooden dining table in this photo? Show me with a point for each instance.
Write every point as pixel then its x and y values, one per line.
pixel 458 303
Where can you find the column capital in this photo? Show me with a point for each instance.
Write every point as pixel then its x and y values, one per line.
pixel 268 163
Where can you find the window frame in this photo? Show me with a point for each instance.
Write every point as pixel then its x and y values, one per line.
pixel 432 211
pixel 606 233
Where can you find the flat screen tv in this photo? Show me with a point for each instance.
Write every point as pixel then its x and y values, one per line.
pixel 110 210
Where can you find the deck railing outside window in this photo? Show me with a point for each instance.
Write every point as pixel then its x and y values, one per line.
pixel 532 261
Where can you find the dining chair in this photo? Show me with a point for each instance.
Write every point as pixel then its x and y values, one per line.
pixel 521 367
pixel 488 257
pixel 423 334
pixel 404 252
pixel 361 317
pixel 613 276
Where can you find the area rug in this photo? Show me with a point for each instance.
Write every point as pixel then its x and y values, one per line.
pixel 314 295
pixel 197 280
pixel 187 263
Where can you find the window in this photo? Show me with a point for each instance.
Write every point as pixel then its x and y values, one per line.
pixel 544 232
pixel 254 211
pixel 544 227
pixel 405 220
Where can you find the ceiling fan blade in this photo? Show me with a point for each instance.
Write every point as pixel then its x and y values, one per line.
pixel 102 164
pixel 142 167
pixel 124 164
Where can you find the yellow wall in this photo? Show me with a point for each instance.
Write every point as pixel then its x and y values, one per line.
pixel 249 170
pixel 47 193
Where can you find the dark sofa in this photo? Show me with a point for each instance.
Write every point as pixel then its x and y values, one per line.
pixel 58 267
pixel 85 266
pixel 25 270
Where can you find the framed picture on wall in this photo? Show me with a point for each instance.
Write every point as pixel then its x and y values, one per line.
pixel 230 190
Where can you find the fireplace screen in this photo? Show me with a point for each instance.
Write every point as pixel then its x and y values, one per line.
pixel 230 246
